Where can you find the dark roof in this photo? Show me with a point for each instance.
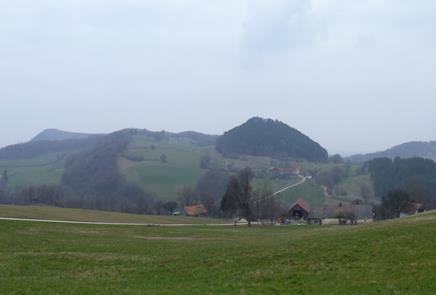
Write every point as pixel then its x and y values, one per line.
pixel 335 211
pixel 195 210
pixel 303 204
pixel 316 213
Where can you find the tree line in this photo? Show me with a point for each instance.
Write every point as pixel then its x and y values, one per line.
pixel 402 184
pixel 416 176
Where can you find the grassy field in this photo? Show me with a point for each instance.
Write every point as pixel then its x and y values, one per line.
pixel 45 169
pixel 54 213
pixel 309 191
pixel 394 257
pixel 164 179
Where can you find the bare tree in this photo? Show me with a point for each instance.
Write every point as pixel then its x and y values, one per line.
pixel 238 195
pixel 267 207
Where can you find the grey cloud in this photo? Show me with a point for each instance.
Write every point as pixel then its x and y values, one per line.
pixel 334 69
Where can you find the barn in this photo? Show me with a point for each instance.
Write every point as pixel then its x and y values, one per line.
pixel 299 211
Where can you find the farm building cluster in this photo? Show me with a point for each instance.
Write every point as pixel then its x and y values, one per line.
pixel 302 212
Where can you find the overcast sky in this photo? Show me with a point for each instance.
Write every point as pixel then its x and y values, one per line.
pixel 353 75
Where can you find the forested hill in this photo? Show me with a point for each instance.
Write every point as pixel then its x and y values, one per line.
pixel 266 137
pixel 407 150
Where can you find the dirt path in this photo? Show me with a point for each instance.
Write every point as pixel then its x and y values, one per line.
pixel 303 180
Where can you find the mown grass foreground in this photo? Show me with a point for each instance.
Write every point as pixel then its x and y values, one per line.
pixel 394 257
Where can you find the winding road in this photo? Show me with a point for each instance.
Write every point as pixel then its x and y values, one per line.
pixel 303 180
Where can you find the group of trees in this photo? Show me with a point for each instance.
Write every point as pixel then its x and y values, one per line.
pixel 394 203
pixel 402 184
pixel 225 195
pixel 240 199
pixel 331 178
pixel 208 192
pixel 49 194
pixel 415 176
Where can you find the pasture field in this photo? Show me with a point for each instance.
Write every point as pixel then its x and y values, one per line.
pixel 70 214
pixel 164 179
pixel 310 191
pixel 393 257
pixel 45 169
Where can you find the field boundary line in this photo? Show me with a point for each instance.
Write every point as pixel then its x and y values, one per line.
pixel 113 223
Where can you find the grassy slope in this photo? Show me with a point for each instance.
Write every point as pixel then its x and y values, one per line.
pixel 309 191
pixel 183 167
pixel 384 258
pixel 54 213
pixel 45 169
pixel 164 179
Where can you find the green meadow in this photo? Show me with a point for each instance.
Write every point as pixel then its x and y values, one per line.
pixel 182 166
pixel 45 169
pixel 84 215
pixel 392 257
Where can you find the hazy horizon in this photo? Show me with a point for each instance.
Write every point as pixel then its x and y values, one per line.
pixel 356 76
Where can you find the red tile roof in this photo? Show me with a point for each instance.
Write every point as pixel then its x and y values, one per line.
pixel 303 204
pixel 195 210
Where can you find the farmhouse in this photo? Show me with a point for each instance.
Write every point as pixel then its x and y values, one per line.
pixel 195 210
pixel 347 213
pixel 301 211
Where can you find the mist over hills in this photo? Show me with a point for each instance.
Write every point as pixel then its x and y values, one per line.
pixel 157 161
pixel 412 149
pixel 56 135
pixel 134 169
pixel 257 137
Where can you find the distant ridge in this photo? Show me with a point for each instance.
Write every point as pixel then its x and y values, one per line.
pixel 422 149
pixel 56 135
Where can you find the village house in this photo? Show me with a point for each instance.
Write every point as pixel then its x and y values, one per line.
pixel 195 211
pixel 302 212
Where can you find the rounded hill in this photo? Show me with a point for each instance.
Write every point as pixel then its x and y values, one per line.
pixel 272 138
